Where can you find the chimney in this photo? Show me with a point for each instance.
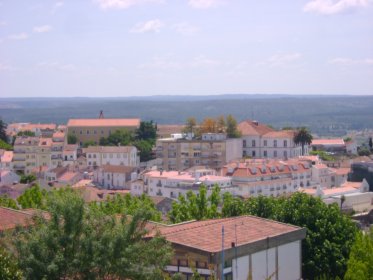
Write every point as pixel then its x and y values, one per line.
pixel 101 115
pixel 256 123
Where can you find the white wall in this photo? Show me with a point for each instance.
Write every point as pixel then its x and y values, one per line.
pixel 263 263
pixel 289 261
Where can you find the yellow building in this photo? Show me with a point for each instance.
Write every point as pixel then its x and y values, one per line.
pixel 30 153
pixel 94 129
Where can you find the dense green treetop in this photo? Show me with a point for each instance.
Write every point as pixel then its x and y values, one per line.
pixel 8 202
pixel 330 233
pixel 360 263
pixel 79 242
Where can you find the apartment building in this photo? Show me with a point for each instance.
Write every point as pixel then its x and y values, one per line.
pixel 172 184
pixel 58 139
pixel 268 177
pixel 261 141
pixel 94 129
pixel 30 153
pixel 111 155
pixel 213 151
pixel 244 247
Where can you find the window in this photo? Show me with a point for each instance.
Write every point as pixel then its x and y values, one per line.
pixel 244 143
pixel 285 154
pixel 253 153
pixel 274 143
pixel 253 143
pixel 285 143
pixel 118 155
pixel 265 153
pixel 87 131
pixel 111 155
pixel 73 131
pixel 275 153
pixel 244 154
pixel 80 132
pixel 265 143
pixel 94 132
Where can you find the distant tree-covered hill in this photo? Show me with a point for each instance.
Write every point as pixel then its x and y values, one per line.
pixel 324 115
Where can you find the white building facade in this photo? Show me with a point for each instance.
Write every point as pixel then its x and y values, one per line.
pixel 261 141
pixel 111 155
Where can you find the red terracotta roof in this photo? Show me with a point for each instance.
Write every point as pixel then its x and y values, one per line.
pixel 117 168
pixel 326 142
pixel 104 122
pixel 250 127
pixel 10 218
pixel 108 149
pixel 41 126
pixel 206 235
pixel 280 134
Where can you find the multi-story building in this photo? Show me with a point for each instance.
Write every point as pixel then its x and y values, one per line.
pixel 58 139
pixel 261 141
pixel 213 151
pixel 24 157
pixel 31 152
pixel 172 184
pixel 87 130
pixel 244 247
pixel 268 177
pixel 111 155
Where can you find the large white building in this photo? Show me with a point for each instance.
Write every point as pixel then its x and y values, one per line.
pixel 261 141
pixel 268 177
pixel 112 155
pixel 174 183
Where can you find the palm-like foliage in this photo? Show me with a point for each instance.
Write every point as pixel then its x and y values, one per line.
pixel 302 136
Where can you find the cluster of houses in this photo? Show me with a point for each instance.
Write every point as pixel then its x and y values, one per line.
pixel 262 161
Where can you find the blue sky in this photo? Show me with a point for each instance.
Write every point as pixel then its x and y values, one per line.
pixel 199 47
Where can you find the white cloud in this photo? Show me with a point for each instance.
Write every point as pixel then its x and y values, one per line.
pixel 42 29
pixel 55 65
pixel 330 7
pixel 154 25
pixel 280 60
pixel 349 61
pixel 124 4
pixel 3 23
pixel 166 63
pixel 202 61
pixel 185 28
pixel 4 67
pixel 19 36
pixel 57 6
pixel 204 4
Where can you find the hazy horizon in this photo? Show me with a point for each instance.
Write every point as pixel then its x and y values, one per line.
pixel 131 48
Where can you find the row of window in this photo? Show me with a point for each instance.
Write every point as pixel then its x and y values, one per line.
pixel 90 132
pixel 265 143
pixel 110 155
pixel 265 154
